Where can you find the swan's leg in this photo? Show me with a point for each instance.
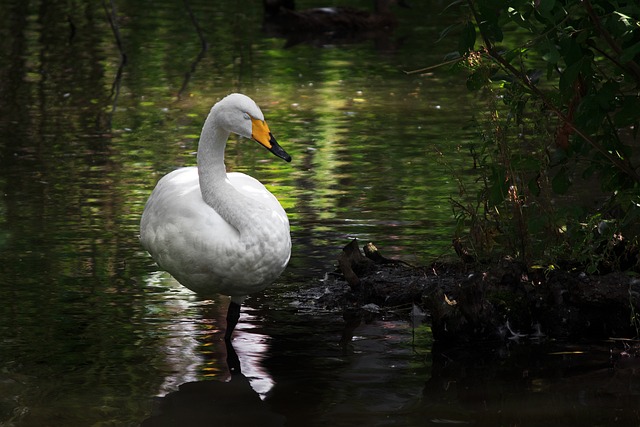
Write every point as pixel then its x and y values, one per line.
pixel 233 315
pixel 233 362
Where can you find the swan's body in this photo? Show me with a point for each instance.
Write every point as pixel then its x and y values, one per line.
pixel 219 233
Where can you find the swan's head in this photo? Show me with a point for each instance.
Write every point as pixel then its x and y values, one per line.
pixel 239 114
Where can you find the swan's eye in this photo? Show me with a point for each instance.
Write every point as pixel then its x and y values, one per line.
pixel 246 116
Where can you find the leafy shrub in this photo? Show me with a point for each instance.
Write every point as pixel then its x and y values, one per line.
pixel 559 135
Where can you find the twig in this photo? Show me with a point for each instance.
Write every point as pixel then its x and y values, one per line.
pixel 204 46
pixel 433 67
pixel 115 87
pixel 112 18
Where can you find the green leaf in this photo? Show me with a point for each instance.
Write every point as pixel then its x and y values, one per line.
pixel 606 96
pixel 629 53
pixel 570 75
pixel 512 54
pixel 570 49
pixel 517 17
pixel 629 113
pixel 546 5
pixel 589 115
pixel 561 182
pixel 467 40
pixel 477 80
pixel 545 9
pixel 499 187
pixel 489 22
pixel 534 186
pixel 552 55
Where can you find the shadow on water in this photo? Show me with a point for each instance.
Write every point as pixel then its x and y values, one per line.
pixel 530 384
pixel 287 368
pixel 292 366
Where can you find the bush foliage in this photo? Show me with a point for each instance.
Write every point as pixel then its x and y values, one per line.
pixel 559 132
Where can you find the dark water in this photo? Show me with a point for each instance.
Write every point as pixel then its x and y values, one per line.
pixel 91 334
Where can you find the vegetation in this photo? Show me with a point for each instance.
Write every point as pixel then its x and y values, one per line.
pixel 559 145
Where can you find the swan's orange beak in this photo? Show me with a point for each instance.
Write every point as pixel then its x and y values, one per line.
pixel 262 135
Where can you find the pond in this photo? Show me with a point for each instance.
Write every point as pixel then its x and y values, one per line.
pixel 92 334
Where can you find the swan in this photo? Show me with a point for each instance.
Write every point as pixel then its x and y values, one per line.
pixel 217 232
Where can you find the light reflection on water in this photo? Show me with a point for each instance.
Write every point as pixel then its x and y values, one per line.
pixel 253 348
pixel 192 331
pixel 180 347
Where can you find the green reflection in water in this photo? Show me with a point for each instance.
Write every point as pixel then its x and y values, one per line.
pixel 89 331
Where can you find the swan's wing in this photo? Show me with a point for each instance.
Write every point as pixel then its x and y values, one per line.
pixel 254 189
pixel 176 220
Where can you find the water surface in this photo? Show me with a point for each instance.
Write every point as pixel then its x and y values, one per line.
pixel 91 333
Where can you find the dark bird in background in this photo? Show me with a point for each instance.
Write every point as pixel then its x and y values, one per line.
pixel 328 25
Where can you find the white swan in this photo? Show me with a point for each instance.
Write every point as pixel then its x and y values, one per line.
pixel 218 232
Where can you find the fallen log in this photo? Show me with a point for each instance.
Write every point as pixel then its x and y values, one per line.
pixel 504 301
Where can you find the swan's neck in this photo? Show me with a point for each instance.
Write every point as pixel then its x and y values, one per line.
pixel 211 169
pixel 217 191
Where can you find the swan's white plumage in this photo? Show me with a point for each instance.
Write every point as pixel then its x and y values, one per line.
pixel 218 233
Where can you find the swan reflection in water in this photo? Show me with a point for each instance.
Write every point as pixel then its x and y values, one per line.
pixel 219 403
pixel 195 345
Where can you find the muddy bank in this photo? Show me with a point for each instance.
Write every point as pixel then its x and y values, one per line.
pixel 468 303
